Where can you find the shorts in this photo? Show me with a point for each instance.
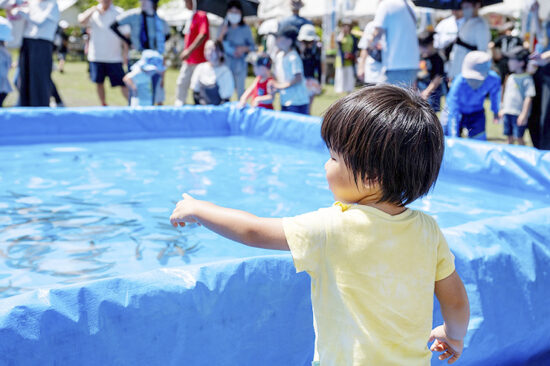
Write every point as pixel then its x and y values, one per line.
pixel 61 56
pixel 302 109
pixel 511 127
pixel 474 123
pixel 114 70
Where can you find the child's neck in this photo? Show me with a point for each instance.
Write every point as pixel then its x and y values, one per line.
pixel 389 208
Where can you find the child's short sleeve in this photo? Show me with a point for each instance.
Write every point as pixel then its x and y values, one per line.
pixel 296 65
pixel 445 259
pixel 306 237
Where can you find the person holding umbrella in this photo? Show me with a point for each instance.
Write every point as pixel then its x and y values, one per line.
pixel 237 42
pixel 474 35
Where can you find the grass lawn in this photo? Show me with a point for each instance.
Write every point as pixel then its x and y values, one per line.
pixel 77 90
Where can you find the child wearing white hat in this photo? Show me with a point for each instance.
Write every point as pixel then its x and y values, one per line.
pixel 5 59
pixel 140 79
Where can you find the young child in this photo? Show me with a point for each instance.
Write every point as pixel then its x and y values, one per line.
pixel 344 73
pixel 518 93
pixel 430 78
pixel 374 263
pixel 140 79
pixel 289 73
pixel 5 59
pixel 310 53
pixel 212 81
pixel 258 91
pixel 467 94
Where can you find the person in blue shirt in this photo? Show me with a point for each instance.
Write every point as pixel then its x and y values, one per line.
pixel 237 43
pixel 467 94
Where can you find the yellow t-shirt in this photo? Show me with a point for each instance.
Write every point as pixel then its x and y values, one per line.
pixel 372 282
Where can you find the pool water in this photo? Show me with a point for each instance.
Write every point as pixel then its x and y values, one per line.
pixel 83 211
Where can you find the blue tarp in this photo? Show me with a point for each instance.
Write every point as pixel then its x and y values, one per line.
pixel 257 310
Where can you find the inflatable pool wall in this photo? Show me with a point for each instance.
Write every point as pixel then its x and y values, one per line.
pixel 256 311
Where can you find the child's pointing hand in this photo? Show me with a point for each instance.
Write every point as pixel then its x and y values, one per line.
pixel 184 211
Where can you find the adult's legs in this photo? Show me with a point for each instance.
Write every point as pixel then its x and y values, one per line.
pixel 545 110
pixel 100 87
pixel 2 98
pixel 35 74
pixel 55 95
pixel 535 117
pixel 183 82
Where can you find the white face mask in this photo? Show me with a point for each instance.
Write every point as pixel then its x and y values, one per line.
pixel 233 18
pixel 468 13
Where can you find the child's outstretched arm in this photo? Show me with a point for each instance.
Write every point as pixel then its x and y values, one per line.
pixel 247 93
pixel 237 225
pixel 455 308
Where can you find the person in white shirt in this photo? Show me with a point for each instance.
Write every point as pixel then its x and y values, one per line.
pixel 35 84
pixel 473 35
pixel 400 58
pixel 212 81
pixel 106 51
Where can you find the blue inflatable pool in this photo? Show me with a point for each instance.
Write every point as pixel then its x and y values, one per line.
pixel 91 273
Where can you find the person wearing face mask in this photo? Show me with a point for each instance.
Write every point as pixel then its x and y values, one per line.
pixel 474 35
pixel 237 42
pixel 212 82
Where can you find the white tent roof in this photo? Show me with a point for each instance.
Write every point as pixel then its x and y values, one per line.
pixel 313 8
pixel 514 8
pixel 175 14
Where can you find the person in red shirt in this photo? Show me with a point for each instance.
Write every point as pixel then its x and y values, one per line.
pixel 258 91
pixel 196 35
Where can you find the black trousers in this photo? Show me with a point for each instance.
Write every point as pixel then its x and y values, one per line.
pixel 539 120
pixel 35 68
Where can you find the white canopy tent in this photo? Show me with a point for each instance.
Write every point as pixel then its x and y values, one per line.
pixel 514 8
pixel 176 14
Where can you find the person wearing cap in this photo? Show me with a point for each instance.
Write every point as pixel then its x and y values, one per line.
pixel 502 45
pixel 147 32
pixel 237 43
pixel 196 34
pixel 258 90
pixel 310 52
pixel 5 59
pixel 106 51
pixel 289 73
pixel 140 79
pixel 40 23
pixel 212 81
pixel 344 77
pixel 518 94
pixel 473 35
pixel 295 20
pixel 396 20
pixel 467 94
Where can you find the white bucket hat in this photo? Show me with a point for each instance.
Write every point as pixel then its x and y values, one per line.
pixel 5 30
pixel 307 33
pixel 476 65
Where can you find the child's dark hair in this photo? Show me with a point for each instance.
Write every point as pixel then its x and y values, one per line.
pixel 387 135
pixel 426 38
pixel 219 46
pixel 237 4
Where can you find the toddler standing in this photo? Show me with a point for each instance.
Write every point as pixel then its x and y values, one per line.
pixel 519 91
pixel 374 263
pixel 289 72
pixel 258 91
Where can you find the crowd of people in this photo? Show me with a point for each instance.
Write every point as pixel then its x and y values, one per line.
pixel 457 59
